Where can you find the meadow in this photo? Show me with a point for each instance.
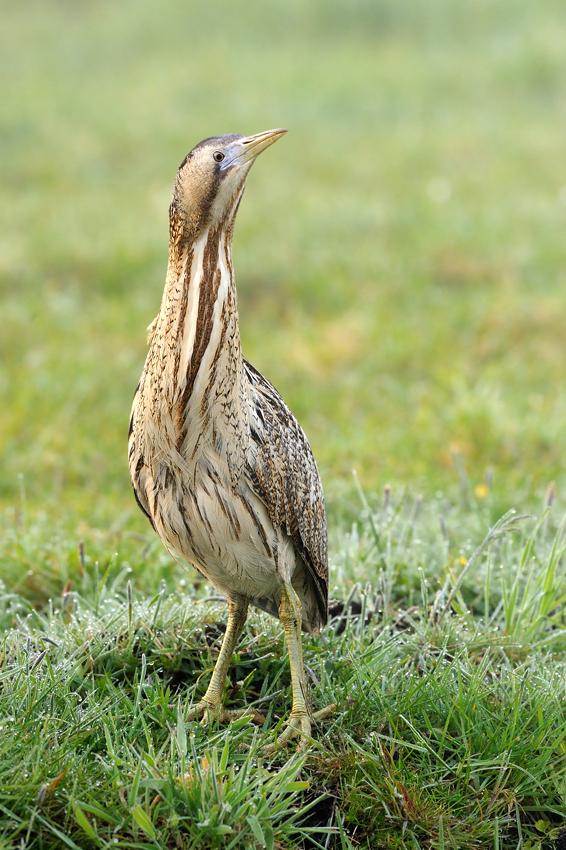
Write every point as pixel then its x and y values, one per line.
pixel 401 273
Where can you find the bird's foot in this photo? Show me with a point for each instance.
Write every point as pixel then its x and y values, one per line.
pixel 208 711
pixel 299 723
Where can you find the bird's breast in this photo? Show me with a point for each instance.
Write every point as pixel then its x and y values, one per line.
pixel 225 531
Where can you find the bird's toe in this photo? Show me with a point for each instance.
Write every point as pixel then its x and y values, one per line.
pixel 299 725
pixel 208 712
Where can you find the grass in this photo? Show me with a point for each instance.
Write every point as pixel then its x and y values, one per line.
pixel 400 266
pixel 447 662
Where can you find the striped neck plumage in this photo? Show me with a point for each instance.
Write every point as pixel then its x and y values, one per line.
pixel 197 328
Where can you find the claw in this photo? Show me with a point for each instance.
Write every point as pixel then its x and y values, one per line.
pixel 207 712
pixel 299 724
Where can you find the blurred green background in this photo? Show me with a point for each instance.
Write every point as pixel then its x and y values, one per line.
pixel 400 255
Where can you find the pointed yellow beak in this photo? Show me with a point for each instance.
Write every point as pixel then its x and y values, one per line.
pixel 246 149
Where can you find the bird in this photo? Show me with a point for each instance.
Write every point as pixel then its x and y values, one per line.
pixel 218 463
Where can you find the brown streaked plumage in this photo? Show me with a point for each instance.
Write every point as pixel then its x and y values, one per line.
pixel 218 462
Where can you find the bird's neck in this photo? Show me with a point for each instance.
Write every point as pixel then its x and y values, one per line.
pixel 197 330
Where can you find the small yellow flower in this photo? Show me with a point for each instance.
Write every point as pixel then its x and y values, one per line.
pixel 481 491
pixel 463 561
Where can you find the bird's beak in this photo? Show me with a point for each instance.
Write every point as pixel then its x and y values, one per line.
pixel 246 149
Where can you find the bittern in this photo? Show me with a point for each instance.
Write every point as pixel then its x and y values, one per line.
pixel 218 462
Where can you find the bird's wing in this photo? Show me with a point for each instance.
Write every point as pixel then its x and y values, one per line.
pixel 282 471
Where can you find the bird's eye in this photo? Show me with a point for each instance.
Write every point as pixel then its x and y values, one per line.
pixel 218 156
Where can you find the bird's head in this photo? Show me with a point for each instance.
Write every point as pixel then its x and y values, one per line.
pixel 211 179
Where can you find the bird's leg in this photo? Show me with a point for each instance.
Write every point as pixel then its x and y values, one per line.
pixel 299 722
pixel 210 706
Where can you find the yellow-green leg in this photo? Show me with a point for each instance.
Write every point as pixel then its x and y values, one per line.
pixel 299 722
pixel 210 706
